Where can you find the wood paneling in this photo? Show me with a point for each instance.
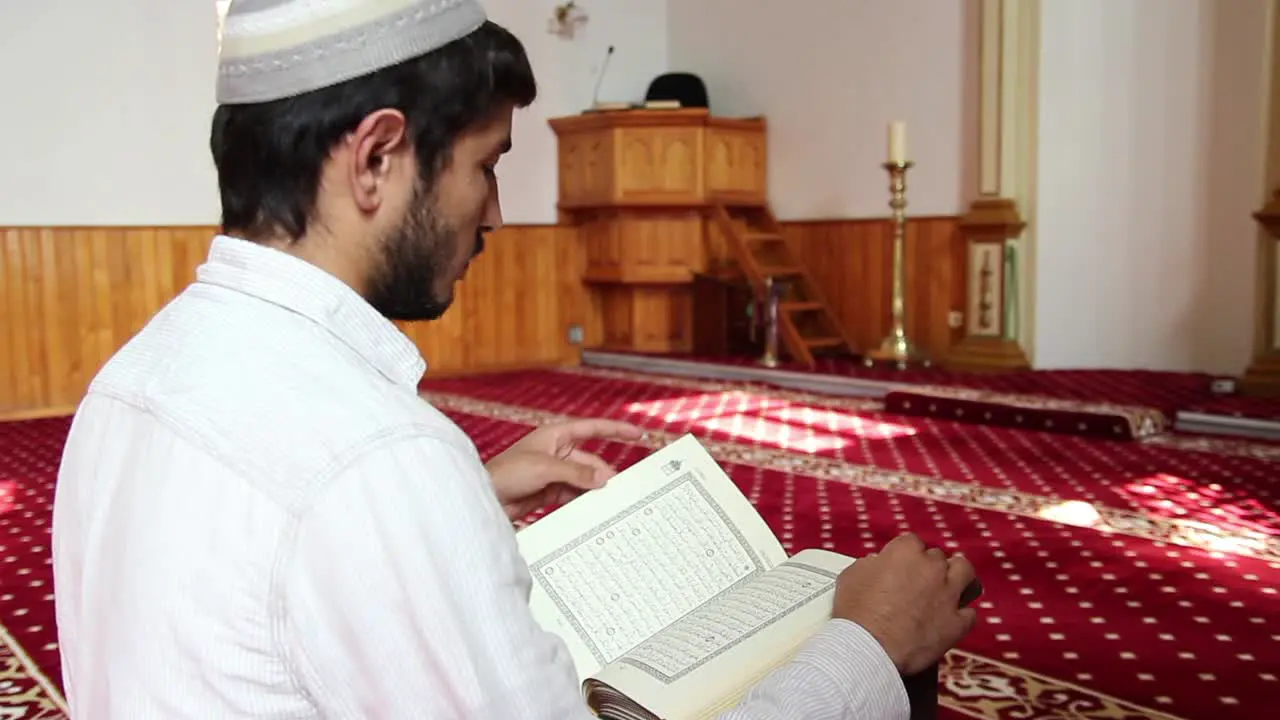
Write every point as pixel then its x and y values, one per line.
pixel 852 262
pixel 514 308
pixel 70 297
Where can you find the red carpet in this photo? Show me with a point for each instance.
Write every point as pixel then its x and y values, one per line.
pixel 1231 486
pixel 29 671
pixel 1152 596
pixel 1078 623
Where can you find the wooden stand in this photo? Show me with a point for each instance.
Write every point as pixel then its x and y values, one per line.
pixel 986 346
pixel 1263 376
pixel 638 184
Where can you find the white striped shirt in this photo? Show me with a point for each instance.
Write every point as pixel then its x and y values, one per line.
pixel 258 517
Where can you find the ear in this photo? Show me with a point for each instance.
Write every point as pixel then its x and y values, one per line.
pixel 377 154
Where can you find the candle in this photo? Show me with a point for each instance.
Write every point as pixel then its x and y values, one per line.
pixel 897 142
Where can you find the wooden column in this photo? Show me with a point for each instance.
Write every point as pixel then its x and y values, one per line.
pixel 998 225
pixel 1263 375
pixel 638 185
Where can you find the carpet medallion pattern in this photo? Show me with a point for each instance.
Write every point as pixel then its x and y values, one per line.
pixel 25 694
pixel 977 687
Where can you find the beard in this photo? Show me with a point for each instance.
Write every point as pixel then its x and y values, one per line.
pixel 414 255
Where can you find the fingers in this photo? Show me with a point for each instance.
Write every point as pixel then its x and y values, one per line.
pixel 599 428
pixel 553 471
pixel 960 574
pixel 905 543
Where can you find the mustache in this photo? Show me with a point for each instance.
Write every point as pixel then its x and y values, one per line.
pixel 479 244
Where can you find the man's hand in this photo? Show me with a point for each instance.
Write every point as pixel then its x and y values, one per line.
pixel 546 467
pixel 908 598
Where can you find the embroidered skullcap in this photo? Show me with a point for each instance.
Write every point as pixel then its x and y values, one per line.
pixel 273 49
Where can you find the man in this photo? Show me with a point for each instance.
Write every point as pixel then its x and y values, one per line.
pixel 258 517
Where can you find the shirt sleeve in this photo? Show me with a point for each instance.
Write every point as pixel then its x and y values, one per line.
pixel 405 595
pixel 841 673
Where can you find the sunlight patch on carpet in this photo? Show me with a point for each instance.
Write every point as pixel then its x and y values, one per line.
pixel 1139 524
pixel 768 420
pixel 1072 512
pixel 8 495
pixel 1202 504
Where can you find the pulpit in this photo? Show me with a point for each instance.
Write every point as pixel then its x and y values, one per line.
pixel 638 185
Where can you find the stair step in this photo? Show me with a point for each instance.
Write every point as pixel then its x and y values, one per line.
pixel 823 342
pixel 779 270
pixel 800 306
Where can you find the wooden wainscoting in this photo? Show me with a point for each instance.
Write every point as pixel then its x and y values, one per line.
pixel 70 297
pixel 515 307
pixel 852 262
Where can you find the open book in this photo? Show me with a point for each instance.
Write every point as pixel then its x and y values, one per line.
pixel 671 592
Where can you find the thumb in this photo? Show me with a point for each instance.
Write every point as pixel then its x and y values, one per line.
pixel 968 618
pixel 603 471
pixel 571 473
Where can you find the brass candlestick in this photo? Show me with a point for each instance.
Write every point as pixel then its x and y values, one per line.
pixel 897 347
pixel 770 358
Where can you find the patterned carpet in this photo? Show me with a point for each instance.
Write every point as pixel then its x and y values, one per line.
pixel 29 672
pixel 1124 579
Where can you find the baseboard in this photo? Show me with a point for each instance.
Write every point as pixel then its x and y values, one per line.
pixel 986 355
pixel 38 413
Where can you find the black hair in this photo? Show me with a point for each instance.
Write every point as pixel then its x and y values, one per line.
pixel 269 155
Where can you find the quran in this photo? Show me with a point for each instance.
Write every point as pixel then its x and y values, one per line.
pixel 669 589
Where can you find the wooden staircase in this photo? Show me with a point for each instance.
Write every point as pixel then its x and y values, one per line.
pixel 806 326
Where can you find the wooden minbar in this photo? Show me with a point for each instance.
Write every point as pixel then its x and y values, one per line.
pixel 639 185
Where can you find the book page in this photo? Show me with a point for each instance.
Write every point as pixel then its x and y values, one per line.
pixel 705 662
pixel 618 564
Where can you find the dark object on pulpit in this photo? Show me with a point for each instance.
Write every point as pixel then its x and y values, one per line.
pixel 723 315
pixel 685 88
pixel 922 688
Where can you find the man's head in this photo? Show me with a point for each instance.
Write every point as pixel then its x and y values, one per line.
pixel 362 136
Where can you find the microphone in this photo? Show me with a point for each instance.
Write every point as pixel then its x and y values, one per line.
pixel 604 66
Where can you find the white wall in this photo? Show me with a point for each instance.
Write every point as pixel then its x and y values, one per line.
pixel 105 105
pixel 830 75
pixel 1150 163
pixel 567 72
pixel 104 112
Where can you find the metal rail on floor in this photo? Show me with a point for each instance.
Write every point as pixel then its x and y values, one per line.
pixel 806 381
pixel 1186 421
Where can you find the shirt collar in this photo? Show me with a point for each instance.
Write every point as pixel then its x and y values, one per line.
pixel 297 285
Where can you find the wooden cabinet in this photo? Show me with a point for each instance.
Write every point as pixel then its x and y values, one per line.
pixel 637 184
